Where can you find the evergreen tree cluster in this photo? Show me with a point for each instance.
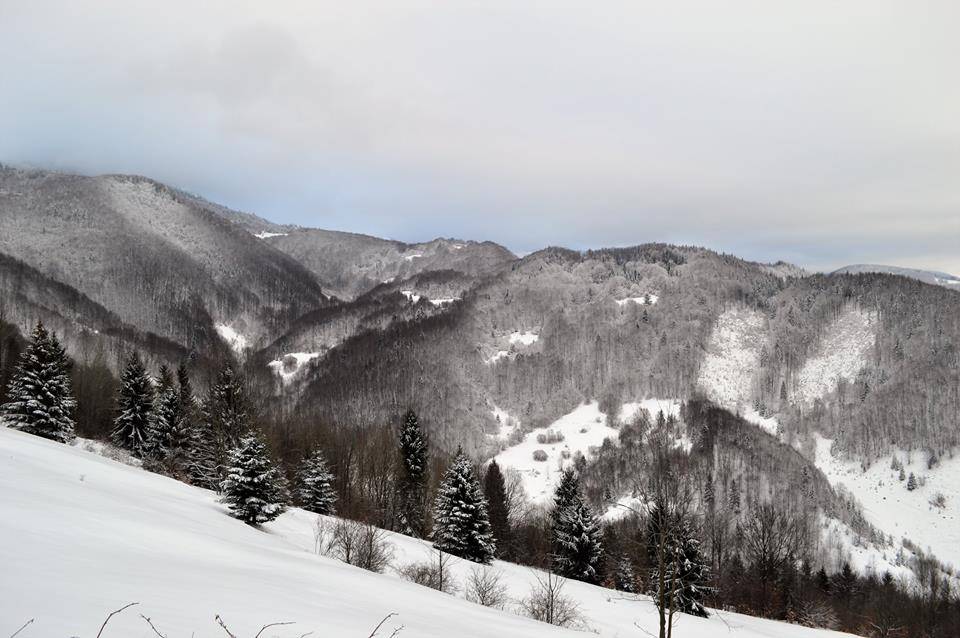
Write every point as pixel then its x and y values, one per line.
pixel 39 397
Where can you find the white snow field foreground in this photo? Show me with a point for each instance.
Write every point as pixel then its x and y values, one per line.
pixel 81 535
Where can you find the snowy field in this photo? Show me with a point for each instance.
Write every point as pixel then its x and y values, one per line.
pixel 889 506
pixel 843 351
pixel 515 342
pixel 582 430
pixel 82 535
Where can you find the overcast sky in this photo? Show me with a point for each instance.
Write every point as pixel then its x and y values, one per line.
pixel 823 133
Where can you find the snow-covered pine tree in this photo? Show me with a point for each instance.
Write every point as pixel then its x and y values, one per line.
pixel 253 489
pixel 165 414
pixel 625 579
pixel 578 543
pixel 226 414
pixel 316 492
pixel 460 523
pixel 133 426
pixel 567 491
pixel 39 398
pixel 912 482
pixel 495 491
pixel 685 567
pixel 412 487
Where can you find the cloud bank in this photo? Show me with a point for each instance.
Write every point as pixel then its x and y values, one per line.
pixel 823 133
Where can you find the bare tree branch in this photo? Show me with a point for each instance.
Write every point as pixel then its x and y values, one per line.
pixel 22 627
pixel 222 624
pixel 273 624
pixel 149 622
pixel 112 614
pixel 379 625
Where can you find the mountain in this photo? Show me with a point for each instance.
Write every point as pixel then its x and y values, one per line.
pixel 927 276
pixel 152 257
pixel 350 264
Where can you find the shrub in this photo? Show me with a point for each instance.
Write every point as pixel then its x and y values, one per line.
pixel 539 456
pixel 359 544
pixel 485 587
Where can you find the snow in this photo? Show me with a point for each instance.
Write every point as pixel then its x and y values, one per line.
pixel 768 423
pixel 524 338
pixel 414 298
pixel 890 507
pixel 733 355
pixel 843 351
pixel 582 429
pixel 444 301
pixel 637 300
pixel 508 423
pixel 81 536
pixel 409 294
pixel 500 354
pixel 840 544
pixel 413 256
pixel 669 407
pixel 236 341
pixel 291 363
pixel 265 234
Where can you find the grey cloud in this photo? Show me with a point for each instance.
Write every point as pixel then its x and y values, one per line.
pixel 820 132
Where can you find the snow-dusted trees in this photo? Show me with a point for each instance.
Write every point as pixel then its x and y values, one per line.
pixel 226 419
pixel 625 579
pixel 460 522
pixel 315 491
pixel 912 482
pixel 254 489
pixel 412 489
pixel 133 425
pixel 577 542
pixel 495 491
pixel 39 399
pixel 576 533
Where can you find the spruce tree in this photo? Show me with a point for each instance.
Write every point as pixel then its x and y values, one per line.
pixel 495 491
pixel 578 542
pixel 413 476
pixel 460 523
pixel 253 489
pixel 226 415
pixel 39 398
pixel 670 537
pixel 135 403
pixel 625 579
pixel 567 490
pixel 912 482
pixel 316 492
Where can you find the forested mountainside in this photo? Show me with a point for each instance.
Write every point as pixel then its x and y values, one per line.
pixel 154 257
pixel 349 264
pixel 927 276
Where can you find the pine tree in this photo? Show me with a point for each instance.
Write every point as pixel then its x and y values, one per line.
pixel 166 417
pixel 413 476
pixel 460 523
pixel 39 398
pixel 912 482
pixel 253 489
pixel 577 541
pixel 316 492
pixel 135 404
pixel 567 490
pixel 495 491
pixel 226 415
pixel 625 579
pixel 686 571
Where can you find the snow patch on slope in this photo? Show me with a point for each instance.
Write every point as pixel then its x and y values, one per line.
pixel 890 507
pixel 266 234
pixel 733 356
pixel 236 341
pixel 524 338
pixel 291 363
pixel 843 351
pixel 640 301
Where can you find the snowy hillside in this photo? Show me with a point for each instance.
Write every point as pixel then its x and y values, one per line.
pixel 843 351
pixel 81 536
pixel 897 511
pixel 733 357
pixel 580 431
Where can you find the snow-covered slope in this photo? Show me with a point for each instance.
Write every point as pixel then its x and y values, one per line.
pixel 888 505
pixel 580 431
pixel 733 357
pixel 843 351
pixel 81 535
